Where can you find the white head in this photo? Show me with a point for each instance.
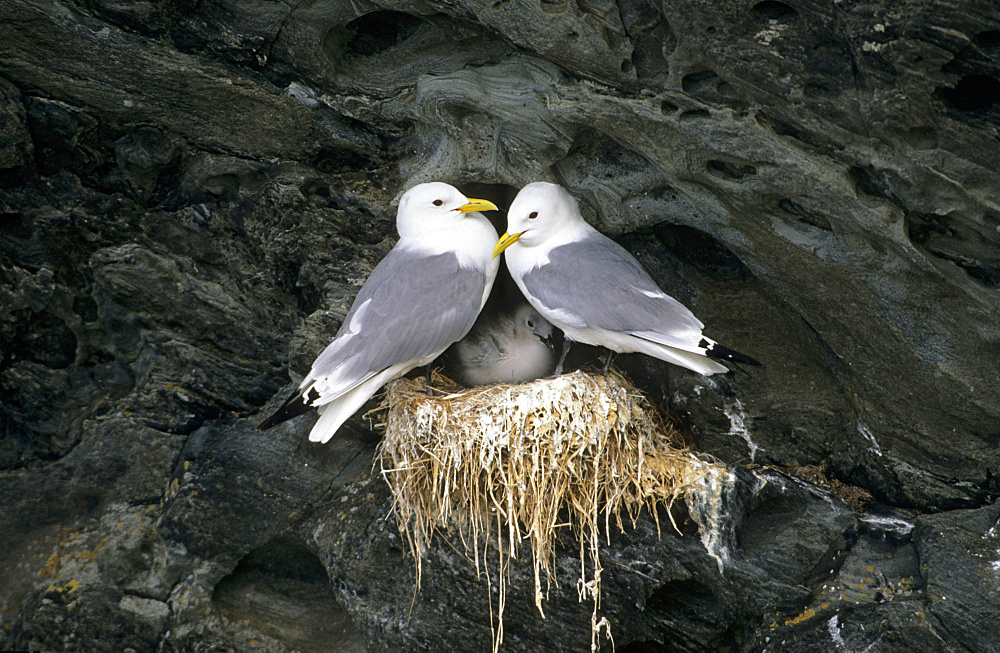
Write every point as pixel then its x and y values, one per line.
pixel 540 211
pixel 434 207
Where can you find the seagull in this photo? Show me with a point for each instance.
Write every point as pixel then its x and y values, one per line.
pixel 423 296
pixel 506 346
pixel 594 290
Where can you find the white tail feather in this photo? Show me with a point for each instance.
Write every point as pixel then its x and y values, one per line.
pixel 333 414
pixel 690 360
pixel 624 342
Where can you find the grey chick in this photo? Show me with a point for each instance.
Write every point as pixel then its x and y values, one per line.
pixel 510 346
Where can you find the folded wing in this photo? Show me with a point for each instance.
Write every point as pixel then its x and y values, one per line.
pixel 595 283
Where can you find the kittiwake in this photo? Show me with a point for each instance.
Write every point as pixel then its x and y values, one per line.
pixel 509 345
pixel 423 296
pixel 594 290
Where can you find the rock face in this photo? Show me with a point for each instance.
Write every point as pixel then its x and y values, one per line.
pixel 192 193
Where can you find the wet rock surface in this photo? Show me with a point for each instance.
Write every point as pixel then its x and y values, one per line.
pixel 191 194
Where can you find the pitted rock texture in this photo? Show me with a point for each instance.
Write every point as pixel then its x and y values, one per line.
pixel 192 193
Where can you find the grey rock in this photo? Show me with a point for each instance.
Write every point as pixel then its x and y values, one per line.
pixel 962 549
pixel 191 195
pixel 889 589
pixel 15 143
pixel 658 588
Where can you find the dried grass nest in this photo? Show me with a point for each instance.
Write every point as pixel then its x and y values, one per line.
pixel 502 464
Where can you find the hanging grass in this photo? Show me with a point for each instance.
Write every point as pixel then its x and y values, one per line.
pixel 508 464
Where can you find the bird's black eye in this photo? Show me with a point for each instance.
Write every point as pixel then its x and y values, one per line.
pixel 533 215
pixel 531 325
pixel 438 202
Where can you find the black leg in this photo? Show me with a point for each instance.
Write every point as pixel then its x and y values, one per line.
pixel 427 378
pixel 607 362
pixel 562 357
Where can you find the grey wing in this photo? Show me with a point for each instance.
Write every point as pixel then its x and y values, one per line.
pixel 595 283
pixel 412 306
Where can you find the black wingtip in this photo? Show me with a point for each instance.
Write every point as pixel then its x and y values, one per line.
pixel 718 352
pixel 293 407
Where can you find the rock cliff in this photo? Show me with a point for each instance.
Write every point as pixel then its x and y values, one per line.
pixel 191 193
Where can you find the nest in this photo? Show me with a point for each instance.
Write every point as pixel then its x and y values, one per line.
pixel 506 464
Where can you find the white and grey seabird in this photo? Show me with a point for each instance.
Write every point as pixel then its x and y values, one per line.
pixel 422 297
pixel 595 291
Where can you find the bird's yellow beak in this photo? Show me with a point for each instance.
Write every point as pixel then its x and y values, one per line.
pixel 505 241
pixel 478 205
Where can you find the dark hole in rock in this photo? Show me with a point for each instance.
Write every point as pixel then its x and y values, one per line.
pixel 378 31
pixel 64 138
pixel 695 114
pixel 683 596
pixel 808 216
pixel 697 81
pixel 333 160
pixel 814 90
pixel 774 10
pixel 729 170
pixel 85 307
pixel 98 357
pixel 701 251
pixel 652 41
pixel 283 591
pixel 50 122
pixel 970 245
pixel 336 42
pixel 15 176
pixel 49 341
pixel 922 226
pixel 505 291
pixel 500 194
pixel 15 225
pixel 972 92
pixel 668 108
pixel 865 182
pixel 826 42
pixel 988 40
